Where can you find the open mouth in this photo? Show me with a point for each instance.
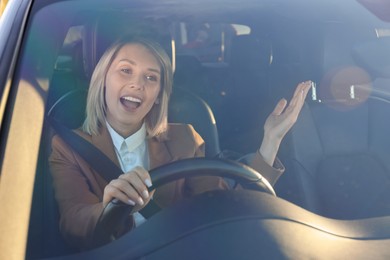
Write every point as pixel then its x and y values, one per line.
pixel 131 102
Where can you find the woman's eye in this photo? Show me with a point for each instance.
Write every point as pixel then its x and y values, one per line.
pixel 151 78
pixel 127 71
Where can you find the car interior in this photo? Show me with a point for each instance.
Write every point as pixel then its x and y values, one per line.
pixel 336 188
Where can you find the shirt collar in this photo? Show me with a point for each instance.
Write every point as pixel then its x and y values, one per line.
pixel 132 142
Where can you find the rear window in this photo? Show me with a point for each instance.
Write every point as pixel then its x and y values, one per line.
pixel 209 42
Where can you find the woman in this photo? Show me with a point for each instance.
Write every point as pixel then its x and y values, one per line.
pixel 126 118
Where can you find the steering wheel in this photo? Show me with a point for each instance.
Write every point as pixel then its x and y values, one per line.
pixel 116 212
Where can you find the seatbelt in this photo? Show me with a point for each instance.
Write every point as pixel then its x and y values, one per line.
pixel 97 160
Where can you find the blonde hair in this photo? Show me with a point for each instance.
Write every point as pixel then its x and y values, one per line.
pixel 157 118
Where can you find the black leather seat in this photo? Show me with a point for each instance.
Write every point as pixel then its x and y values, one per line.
pixel 337 158
pixel 336 155
pixel 185 107
pixel 245 107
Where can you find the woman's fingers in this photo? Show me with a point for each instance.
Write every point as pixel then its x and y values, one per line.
pixel 117 189
pixel 304 90
pixel 300 93
pixel 140 180
pixel 133 188
pixel 279 107
pixel 298 99
pixel 130 188
pixel 143 175
pixel 282 118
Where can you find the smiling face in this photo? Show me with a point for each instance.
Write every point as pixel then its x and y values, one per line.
pixel 132 87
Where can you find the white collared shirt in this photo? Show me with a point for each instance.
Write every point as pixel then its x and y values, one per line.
pixel 131 152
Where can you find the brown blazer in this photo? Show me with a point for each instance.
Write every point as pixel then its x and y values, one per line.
pixel 79 188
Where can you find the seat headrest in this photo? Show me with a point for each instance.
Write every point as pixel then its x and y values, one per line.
pixel 108 29
pixel 188 69
pixel 346 85
pixel 69 109
pixel 188 62
pixel 247 51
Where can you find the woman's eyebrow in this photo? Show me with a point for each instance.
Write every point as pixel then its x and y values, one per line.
pixel 134 63
pixel 129 61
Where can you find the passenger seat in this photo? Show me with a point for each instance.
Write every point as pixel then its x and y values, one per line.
pixel 246 93
pixel 336 154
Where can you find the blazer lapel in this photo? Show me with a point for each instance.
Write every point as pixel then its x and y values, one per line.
pixel 159 153
pixel 104 143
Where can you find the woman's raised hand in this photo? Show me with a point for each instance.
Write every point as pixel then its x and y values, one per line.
pixel 280 121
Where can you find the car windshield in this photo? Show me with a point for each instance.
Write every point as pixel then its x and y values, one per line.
pixel 237 59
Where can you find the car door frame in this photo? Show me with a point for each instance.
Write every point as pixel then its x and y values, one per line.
pixel 20 108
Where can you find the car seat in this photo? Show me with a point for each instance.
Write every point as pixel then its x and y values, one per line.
pixel 336 155
pixel 245 106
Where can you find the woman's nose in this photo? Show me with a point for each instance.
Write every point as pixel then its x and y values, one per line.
pixel 138 83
